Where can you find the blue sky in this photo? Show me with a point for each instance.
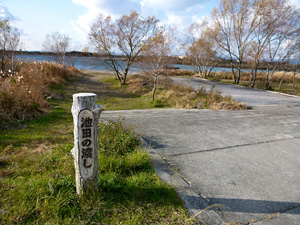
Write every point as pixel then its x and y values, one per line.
pixel 37 18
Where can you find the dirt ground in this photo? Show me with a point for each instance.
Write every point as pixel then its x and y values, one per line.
pixel 89 81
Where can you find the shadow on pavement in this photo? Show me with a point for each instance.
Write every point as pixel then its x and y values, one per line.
pixel 254 206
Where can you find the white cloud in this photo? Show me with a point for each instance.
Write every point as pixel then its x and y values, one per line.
pixel 170 12
pixel 5 14
pixel 173 11
pixel 114 9
pixel 177 12
pixel 170 5
pixel 84 22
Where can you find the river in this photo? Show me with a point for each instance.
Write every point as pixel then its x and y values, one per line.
pixel 94 63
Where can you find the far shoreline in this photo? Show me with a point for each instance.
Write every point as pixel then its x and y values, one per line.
pixel 181 64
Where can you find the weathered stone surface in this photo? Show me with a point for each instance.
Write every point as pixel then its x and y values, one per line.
pixel 86 114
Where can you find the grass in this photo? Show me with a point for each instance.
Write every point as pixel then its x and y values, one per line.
pixel 119 98
pixel 287 84
pixel 24 93
pixel 137 94
pixel 37 181
pixel 177 95
pixel 286 87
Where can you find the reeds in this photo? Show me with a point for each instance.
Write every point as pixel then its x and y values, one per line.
pixel 24 92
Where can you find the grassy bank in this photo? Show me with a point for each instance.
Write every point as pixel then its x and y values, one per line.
pixel 37 182
pixel 137 94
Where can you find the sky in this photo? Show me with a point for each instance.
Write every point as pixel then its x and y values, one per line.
pixel 36 18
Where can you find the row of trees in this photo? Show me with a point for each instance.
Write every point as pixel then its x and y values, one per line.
pixel 56 43
pixel 256 32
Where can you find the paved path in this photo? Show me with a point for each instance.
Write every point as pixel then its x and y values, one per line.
pixel 247 161
pixel 249 96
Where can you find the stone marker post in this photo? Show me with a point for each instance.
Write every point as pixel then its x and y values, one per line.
pixel 86 114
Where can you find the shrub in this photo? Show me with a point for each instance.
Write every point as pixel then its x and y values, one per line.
pixel 23 93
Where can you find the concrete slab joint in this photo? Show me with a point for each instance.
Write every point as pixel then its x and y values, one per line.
pixel 193 201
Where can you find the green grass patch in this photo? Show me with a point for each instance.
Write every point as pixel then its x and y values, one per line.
pixel 125 103
pixel 118 97
pixel 38 187
pixel 54 127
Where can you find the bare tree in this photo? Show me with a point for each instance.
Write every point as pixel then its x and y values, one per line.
pixel 283 44
pixel 58 44
pixel 13 45
pixel 127 36
pixel 201 51
pixel 275 37
pixel 260 31
pixel 235 22
pixel 9 42
pixel 261 35
pixel 156 54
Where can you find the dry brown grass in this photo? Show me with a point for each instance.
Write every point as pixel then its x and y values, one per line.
pixel 178 72
pixel 23 94
pixel 181 96
pixel 288 77
pixel 139 84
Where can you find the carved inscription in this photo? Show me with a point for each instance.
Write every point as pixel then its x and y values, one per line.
pixel 86 143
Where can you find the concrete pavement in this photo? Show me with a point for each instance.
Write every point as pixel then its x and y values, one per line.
pixel 249 96
pixel 246 161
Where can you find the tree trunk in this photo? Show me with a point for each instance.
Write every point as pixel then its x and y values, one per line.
pixel 238 76
pixel 233 73
pixel 154 88
pixel 281 81
pixel 125 75
pixel 239 72
pixel 294 79
pixel 2 66
pixel 209 71
pixel 118 76
pixel 63 59
pixel 12 63
pixel 267 83
pixel 251 78
pixel 254 77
